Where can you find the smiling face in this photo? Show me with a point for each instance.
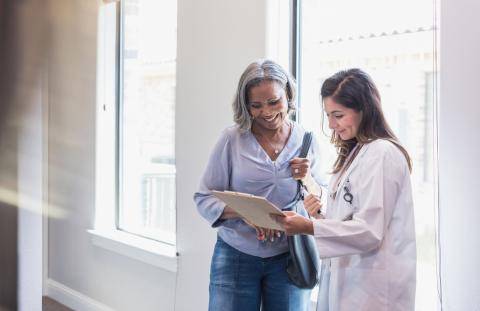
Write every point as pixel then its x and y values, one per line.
pixel 268 105
pixel 342 120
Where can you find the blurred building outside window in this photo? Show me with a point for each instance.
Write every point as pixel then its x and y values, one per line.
pixel 146 157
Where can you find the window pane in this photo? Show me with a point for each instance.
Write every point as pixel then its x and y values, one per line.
pixel 392 41
pixel 146 122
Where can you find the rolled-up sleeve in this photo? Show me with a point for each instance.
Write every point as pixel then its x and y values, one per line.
pixel 215 177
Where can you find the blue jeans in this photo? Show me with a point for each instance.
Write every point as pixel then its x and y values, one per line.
pixel 243 282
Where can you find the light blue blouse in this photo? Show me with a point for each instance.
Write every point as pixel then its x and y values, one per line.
pixel 239 163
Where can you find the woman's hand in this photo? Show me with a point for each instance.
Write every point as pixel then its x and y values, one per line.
pixel 300 168
pixel 313 205
pixel 294 223
pixel 264 234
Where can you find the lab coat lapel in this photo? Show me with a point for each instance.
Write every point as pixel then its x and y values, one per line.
pixel 352 166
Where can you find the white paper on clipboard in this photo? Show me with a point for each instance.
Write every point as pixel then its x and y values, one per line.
pixel 255 209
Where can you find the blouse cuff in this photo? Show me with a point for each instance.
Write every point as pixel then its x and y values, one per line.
pixel 215 216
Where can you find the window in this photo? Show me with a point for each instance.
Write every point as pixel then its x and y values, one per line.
pixel 145 119
pixel 394 42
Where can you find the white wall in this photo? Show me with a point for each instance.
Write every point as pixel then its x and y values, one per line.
pixel 216 40
pixel 459 152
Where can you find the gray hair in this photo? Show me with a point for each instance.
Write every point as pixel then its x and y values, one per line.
pixel 257 72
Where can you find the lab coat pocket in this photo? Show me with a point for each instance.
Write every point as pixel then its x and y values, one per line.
pixel 363 289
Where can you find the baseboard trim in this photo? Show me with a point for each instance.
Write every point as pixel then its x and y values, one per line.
pixel 73 299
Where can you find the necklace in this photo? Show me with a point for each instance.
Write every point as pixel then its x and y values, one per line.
pixel 275 150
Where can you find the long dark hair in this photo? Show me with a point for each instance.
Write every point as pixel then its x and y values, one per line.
pixel 354 89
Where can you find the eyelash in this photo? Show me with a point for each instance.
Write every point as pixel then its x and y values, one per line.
pixel 273 103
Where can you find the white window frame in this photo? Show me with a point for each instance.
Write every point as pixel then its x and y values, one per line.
pixel 105 233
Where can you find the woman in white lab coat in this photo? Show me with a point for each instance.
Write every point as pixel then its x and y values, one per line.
pixel 367 239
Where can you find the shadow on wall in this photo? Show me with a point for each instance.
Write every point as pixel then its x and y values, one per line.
pixel 8 257
pixel 23 51
pixel 8 147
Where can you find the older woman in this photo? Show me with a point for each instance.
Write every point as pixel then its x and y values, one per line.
pixel 257 155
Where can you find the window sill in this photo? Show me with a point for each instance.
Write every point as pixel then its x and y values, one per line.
pixel 151 252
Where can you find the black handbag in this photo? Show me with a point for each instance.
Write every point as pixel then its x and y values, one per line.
pixel 303 263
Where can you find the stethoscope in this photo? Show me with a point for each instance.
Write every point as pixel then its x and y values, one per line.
pixel 347 196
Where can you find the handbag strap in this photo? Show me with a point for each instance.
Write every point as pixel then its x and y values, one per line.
pixel 307 141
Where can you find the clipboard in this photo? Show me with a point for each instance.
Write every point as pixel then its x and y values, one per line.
pixel 253 208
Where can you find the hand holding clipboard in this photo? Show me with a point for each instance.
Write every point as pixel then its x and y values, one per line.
pixel 254 209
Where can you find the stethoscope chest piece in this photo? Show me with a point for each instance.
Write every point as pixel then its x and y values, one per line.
pixel 347 196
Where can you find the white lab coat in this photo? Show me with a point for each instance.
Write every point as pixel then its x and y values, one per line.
pixel 370 260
